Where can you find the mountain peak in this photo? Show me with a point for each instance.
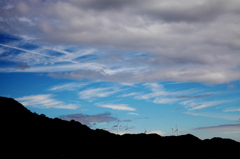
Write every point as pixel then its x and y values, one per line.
pixel 30 135
pixel 11 105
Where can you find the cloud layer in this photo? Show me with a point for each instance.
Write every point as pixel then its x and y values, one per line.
pixel 186 40
pixel 117 107
pixel 221 127
pixel 89 119
pixel 45 101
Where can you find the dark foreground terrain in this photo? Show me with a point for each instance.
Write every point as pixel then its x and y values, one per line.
pixel 28 135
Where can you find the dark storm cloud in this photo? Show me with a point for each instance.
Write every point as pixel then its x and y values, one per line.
pixel 88 119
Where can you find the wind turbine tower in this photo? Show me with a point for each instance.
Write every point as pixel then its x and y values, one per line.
pixel 145 130
pixel 117 126
pixel 176 130
pixel 172 131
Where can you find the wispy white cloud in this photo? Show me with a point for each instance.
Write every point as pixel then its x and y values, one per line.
pixel 117 106
pixel 206 104
pixel 97 92
pixel 124 70
pixel 231 86
pixel 215 115
pixel 196 104
pixel 57 68
pixel 26 20
pixel 45 101
pixel 188 102
pixel 159 132
pixel 47 59
pixel 70 56
pixel 160 95
pixel 133 113
pixel 129 94
pixel 228 132
pixel 220 127
pixel 156 91
pixel 165 100
pixel 67 87
pixel 232 110
pixel 25 50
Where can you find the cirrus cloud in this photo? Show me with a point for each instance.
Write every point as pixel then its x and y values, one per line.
pixel 89 119
pixel 45 101
pixel 189 41
pixel 117 106
pixel 221 127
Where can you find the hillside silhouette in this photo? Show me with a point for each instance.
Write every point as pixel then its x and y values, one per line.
pixel 29 135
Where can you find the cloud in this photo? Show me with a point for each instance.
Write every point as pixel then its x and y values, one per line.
pixel 159 132
pixel 40 56
pixel 156 91
pixel 88 67
pixel 231 86
pixel 203 74
pixel 215 115
pixel 165 100
pixel 232 110
pixel 45 101
pixel 25 50
pixel 196 105
pixel 228 132
pixel 89 119
pixel 117 106
pixel 197 96
pixel 160 95
pixel 97 92
pixel 133 113
pixel 183 40
pixel 220 127
pixel 67 87
pixel 156 94
pixel 187 10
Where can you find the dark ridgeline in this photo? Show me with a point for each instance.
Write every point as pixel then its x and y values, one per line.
pixel 29 135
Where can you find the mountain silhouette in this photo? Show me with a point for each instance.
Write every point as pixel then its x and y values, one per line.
pixel 29 135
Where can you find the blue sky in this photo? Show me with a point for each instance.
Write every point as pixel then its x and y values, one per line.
pixel 141 66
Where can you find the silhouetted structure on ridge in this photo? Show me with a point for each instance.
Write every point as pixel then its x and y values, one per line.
pixel 29 135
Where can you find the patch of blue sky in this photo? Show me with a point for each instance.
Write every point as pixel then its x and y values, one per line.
pixel 135 55
pixel 28 46
pixel 19 83
pixel 72 48
pixel 9 51
pixel 7 64
pixel 53 52
pixel 91 57
pixel 6 38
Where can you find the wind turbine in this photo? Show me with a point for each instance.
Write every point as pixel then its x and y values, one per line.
pixel 172 131
pixel 106 127
pixel 176 130
pixel 127 129
pixel 117 126
pixel 145 130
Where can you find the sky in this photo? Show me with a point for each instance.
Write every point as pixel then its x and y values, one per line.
pixel 126 66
